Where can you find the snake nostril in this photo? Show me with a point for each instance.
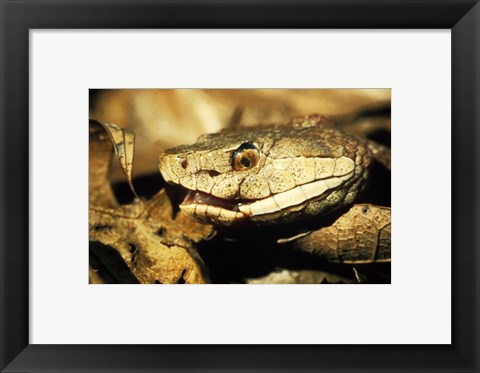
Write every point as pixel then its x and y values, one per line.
pixel 184 163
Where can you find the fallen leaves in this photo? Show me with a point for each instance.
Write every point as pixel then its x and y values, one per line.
pixel 144 241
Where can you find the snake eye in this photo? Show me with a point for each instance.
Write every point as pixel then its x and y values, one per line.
pixel 245 157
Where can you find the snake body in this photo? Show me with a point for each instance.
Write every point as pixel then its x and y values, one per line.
pixel 269 174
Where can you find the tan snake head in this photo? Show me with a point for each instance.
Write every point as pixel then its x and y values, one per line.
pixel 268 174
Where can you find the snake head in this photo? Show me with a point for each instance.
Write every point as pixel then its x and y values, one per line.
pixel 269 174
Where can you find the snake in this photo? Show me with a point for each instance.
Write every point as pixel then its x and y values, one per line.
pixel 269 174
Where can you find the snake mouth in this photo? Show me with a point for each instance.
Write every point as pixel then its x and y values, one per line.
pixel 201 198
pixel 210 209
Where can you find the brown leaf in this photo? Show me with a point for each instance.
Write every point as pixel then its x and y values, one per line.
pixel 123 141
pixel 100 154
pixel 286 276
pixel 142 241
pixel 174 226
pixel 152 258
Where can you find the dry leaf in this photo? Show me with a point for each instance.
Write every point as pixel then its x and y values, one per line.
pixel 143 241
pixel 174 225
pixel 149 256
pixel 286 276
pixel 121 140
pixel 100 151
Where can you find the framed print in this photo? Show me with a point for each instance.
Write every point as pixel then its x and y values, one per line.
pixel 172 72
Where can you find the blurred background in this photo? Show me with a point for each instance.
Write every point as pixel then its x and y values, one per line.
pixel 165 118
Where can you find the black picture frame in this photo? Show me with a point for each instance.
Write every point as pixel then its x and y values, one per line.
pixel 18 16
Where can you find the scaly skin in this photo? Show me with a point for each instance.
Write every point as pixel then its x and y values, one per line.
pixel 360 236
pixel 299 170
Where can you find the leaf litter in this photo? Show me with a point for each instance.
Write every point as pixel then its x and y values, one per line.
pixel 141 242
